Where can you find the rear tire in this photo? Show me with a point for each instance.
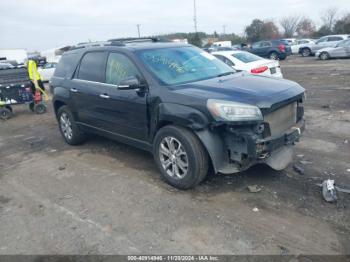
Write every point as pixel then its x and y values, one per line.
pixel 69 129
pixel 5 113
pixel 324 56
pixel 305 52
pixel 273 56
pixel 180 157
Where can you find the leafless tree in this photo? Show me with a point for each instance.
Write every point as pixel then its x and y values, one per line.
pixel 329 17
pixel 306 27
pixel 290 25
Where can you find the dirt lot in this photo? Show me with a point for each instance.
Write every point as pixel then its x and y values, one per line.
pixel 105 197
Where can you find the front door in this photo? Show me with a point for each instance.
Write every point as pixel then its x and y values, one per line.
pixel 124 111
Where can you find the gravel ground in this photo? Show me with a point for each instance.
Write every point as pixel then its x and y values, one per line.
pixel 107 198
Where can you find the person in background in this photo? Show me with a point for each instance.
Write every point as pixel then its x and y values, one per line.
pixel 34 75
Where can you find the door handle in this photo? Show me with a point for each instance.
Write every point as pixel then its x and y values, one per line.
pixel 74 90
pixel 105 96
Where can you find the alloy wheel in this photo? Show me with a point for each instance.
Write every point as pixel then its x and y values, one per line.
pixel 66 126
pixel 173 157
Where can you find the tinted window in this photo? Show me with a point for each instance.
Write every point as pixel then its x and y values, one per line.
pixel 67 65
pixel 266 44
pixel 246 57
pixel 334 38
pixel 92 66
pixel 118 68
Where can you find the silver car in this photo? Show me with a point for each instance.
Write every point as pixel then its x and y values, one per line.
pixel 342 49
pixel 323 42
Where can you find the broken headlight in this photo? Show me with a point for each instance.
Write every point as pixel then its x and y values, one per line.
pixel 233 111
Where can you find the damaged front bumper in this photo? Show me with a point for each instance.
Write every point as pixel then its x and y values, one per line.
pixel 235 149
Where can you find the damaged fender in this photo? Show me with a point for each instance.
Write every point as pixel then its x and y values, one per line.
pixel 182 115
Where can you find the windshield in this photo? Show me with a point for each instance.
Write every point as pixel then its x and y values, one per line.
pixel 343 43
pixel 180 65
pixel 246 57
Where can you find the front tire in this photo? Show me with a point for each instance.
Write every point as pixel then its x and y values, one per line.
pixel 324 56
pixel 69 129
pixel 180 157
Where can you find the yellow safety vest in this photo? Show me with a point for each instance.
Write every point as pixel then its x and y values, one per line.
pixel 33 70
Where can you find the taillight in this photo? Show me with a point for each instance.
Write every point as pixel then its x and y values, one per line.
pixel 282 48
pixel 259 70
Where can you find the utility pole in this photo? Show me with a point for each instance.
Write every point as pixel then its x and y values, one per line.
pixel 138 30
pixel 195 15
pixel 224 29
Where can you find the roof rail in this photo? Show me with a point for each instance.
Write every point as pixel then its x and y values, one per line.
pixel 118 42
pixel 139 39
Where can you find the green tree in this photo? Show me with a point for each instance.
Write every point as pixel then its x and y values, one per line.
pixel 260 30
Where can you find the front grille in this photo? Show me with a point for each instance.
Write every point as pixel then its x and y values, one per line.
pixel 282 119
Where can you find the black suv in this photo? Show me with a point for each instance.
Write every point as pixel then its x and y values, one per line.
pixel 192 111
pixel 275 49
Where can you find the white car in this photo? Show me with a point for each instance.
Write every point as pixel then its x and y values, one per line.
pixel 253 64
pixel 46 71
pixel 299 43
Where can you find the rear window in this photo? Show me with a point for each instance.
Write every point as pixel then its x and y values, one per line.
pixel 246 57
pixel 67 65
pixel 92 67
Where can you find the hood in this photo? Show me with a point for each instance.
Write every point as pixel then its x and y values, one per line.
pixel 244 88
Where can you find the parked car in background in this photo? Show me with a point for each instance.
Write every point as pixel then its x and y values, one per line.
pixel 248 62
pixel 274 49
pixel 323 42
pixel 46 71
pixel 18 55
pixel 341 50
pixel 299 43
pixel 179 102
pixel 289 41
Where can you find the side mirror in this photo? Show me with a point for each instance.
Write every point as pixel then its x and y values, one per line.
pixel 129 83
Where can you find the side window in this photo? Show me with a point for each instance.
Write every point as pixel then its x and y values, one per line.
pixel 92 66
pixel 229 62
pixel 266 44
pixel 67 65
pixel 321 40
pixel 256 45
pixel 334 38
pixel 118 68
pixel 220 57
pixel 225 60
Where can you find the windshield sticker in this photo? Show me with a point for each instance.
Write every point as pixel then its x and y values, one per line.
pixel 167 62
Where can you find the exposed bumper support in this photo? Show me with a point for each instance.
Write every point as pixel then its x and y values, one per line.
pixel 233 152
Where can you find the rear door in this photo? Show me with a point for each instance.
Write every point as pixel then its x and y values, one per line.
pixel 87 87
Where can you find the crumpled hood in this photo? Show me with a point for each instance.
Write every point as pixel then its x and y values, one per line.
pixel 244 88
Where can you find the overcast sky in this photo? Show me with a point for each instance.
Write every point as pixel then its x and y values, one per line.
pixel 43 24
